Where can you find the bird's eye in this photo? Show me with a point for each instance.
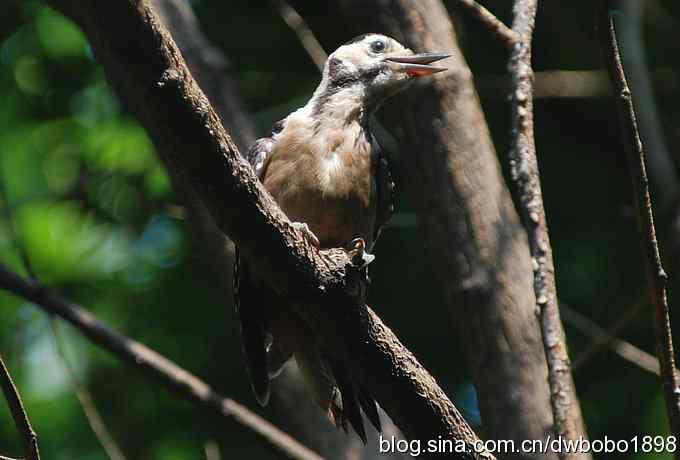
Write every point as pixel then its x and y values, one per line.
pixel 378 46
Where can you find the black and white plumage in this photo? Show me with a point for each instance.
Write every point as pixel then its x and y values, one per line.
pixel 325 170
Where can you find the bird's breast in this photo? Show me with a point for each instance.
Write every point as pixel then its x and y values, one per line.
pixel 327 182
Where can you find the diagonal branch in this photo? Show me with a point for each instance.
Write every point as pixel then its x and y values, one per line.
pixel 567 417
pixel 624 349
pixel 608 336
pixel 92 415
pixel 635 156
pixel 16 407
pixel 173 377
pixel 506 35
pixel 468 226
pixel 147 70
pixel 304 34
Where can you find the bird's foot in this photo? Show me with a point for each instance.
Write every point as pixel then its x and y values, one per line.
pixel 308 233
pixel 357 253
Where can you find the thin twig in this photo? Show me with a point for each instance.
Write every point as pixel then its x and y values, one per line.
pixel 212 450
pixel 303 32
pixel 656 275
pixel 16 406
pixel 92 414
pixel 176 379
pixel 605 340
pixel 664 177
pixel 567 418
pixel 506 35
pixel 624 349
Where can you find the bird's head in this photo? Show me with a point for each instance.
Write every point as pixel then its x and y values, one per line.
pixel 378 66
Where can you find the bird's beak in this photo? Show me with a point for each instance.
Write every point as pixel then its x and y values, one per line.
pixel 418 65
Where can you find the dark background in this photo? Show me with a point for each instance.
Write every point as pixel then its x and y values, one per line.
pixel 94 209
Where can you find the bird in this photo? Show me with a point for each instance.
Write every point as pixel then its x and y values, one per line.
pixel 326 171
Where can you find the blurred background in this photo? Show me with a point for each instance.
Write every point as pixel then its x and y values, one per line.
pixel 83 192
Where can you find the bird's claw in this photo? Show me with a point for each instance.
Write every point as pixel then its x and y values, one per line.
pixel 357 253
pixel 304 228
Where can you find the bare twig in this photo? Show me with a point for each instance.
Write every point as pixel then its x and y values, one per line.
pixel 506 35
pixel 304 34
pixel 624 349
pixel 662 172
pixel 174 378
pixel 212 450
pixel 94 418
pixel 567 417
pixel 605 340
pixel 30 439
pixel 92 415
pixel 148 72
pixel 656 275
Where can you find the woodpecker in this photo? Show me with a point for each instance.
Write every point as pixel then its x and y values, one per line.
pixel 325 169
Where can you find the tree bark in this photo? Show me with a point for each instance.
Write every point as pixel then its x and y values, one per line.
pixel 147 71
pixel 466 215
pixel 566 409
pixel 291 399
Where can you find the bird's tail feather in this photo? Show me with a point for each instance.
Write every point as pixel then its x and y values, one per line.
pixel 337 393
pixel 249 304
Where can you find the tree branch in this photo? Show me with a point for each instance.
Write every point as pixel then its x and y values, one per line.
pixel 609 335
pixel 146 69
pixel 665 182
pixel 304 35
pixel 469 228
pixel 624 349
pixel 301 415
pixel 635 156
pixel 567 417
pixel 506 35
pixel 174 378
pixel 30 439
pixel 92 414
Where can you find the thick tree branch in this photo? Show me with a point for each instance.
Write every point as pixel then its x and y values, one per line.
pixel 635 156
pixel 469 228
pixel 291 400
pixel 174 378
pixel 567 417
pixel 147 71
pixel 16 406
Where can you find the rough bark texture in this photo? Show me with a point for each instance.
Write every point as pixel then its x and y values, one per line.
pixel 292 400
pixel 568 421
pixel 148 73
pixel 467 219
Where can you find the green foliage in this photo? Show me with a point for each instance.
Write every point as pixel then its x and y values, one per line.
pixel 93 208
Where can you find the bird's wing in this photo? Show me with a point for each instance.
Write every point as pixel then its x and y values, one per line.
pixel 328 377
pixel 385 190
pixel 259 153
pixel 249 299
